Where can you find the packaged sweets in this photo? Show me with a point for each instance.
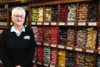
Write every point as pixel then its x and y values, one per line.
pixel 61 58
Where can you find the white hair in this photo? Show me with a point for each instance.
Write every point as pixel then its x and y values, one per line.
pixel 18 9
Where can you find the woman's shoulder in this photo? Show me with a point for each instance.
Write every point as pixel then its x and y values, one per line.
pixel 28 29
pixel 6 30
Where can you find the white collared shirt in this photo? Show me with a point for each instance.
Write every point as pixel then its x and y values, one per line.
pixel 17 32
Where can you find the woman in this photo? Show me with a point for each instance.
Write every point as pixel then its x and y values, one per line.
pixel 17 43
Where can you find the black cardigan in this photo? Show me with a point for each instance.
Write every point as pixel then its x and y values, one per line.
pixel 16 50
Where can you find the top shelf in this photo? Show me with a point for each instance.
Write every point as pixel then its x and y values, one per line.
pixel 59 2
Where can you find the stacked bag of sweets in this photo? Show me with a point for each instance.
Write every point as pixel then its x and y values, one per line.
pixel 40 14
pixel 82 12
pixel 81 36
pixel 1 32
pixel 63 12
pixel 54 35
pixel 72 12
pixel 62 36
pixel 46 55
pixel 98 39
pixel 98 61
pixel 91 38
pixel 61 58
pixel 70 37
pixel 69 59
pixel 48 14
pixel 35 56
pixel 54 13
pixel 80 59
pixel 40 34
pixel 40 54
pixel 89 60
pixel 84 60
pixel 47 35
pixel 35 32
pixel 53 54
pixel 93 11
pixel 34 15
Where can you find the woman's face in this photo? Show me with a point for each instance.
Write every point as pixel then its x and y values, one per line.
pixel 18 18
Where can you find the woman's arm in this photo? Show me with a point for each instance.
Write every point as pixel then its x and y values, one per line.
pixel 3 55
pixel 32 50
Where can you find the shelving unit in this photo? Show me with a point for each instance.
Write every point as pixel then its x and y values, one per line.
pixel 66 31
pixel 70 27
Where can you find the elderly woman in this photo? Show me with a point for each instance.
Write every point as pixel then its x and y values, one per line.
pixel 17 43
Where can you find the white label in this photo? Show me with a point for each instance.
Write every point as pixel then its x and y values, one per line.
pixel 46 23
pixel 6 5
pixel 33 61
pixel 78 49
pixel 45 64
pixel 61 23
pixel 70 23
pixel 81 23
pixel 38 43
pixel 69 48
pixel 60 46
pixel 1 31
pixel 99 52
pixel 33 23
pixel 92 24
pixel 39 63
pixel 46 44
pixel 90 51
pixel 99 46
pixel 53 45
pixel 54 23
pixel 52 65
pixel 39 23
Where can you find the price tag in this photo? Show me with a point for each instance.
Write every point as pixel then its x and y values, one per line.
pixel 45 64
pixel 52 65
pixel 46 23
pixel 33 23
pixel 39 23
pixel 89 51
pixel 53 45
pixel 92 24
pixel 61 23
pixel 6 5
pixel 60 46
pixel 54 23
pixel 78 49
pixel 46 44
pixel 82 23
pixel 38 43
pixel 33 61
pixel 39 63
pixel 71 23
pixel 69 48
pixel 99 46
pixel 1 31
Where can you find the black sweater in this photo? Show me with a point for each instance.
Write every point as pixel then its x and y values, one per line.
pixel 16 50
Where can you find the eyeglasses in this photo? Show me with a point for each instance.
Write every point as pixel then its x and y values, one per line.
pixel 19 16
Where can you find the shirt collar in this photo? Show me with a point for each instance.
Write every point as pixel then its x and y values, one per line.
pixel 14 30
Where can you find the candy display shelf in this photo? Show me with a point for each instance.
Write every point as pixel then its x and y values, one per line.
pixel 67 33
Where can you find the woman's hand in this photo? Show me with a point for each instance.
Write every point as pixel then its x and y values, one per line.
pixel 18 66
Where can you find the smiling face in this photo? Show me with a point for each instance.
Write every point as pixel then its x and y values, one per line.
pixel 18 16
